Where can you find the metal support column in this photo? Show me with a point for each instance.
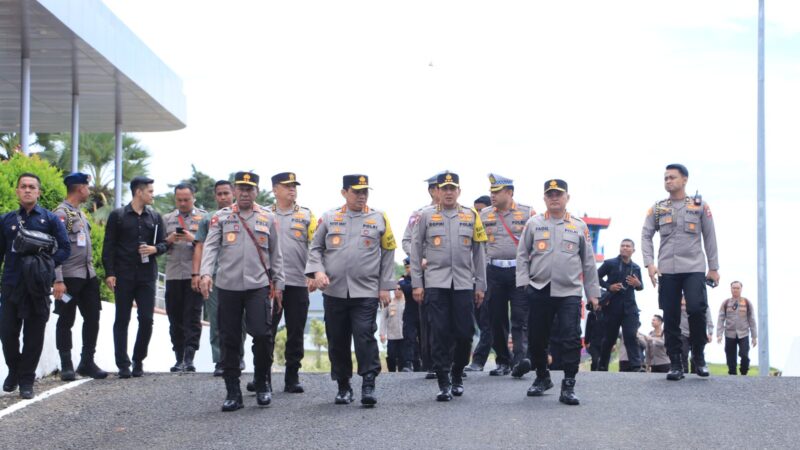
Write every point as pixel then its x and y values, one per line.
pixel 763 317
pixel 117 150
pixel 76 113
pixel 25 85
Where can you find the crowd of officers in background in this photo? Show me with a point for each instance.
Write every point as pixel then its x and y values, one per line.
pixel 499 265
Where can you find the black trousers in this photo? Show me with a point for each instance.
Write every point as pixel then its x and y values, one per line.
pixel 744 353
pixel 295 308
pixel 32 328
pixel 630 326
pixel 351 320
pixel 450 318
pixel 184 310
pixel 503 290
pixel 685 350
pixel 671 287
pixel 484 323
pixel 594 352
pixel 126 292
pixel 542 309
pixel 257 309
pixel 85 297
pixel 411 333
pixel 394 360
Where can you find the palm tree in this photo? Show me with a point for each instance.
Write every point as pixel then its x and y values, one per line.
pixel 96 157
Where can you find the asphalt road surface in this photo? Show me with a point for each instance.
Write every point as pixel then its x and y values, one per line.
pixel 618 410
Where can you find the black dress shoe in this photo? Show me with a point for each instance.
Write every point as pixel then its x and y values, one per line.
pixel 408 367
pixel 445 387
pixel 124 372
pixel 540 385
pixel 431 375
pixel 702 370
pixel 88 368
pixel 251 386
pixel 368 390
pixel 138 369
pixel 568 396
pixel 293 387
pixel 500 370
pixel 10 384
pixel 26 392
pixel 522 367
pixel 218 371
pixel 67 371
pixel 473 368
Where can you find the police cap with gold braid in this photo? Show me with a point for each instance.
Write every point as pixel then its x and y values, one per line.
pixel 447 179
pixel 285 178
pixel 555 185
pixel 246 178
pixel 357 182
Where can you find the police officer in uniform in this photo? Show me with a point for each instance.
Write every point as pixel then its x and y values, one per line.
pixel 555 261
pixel 422 309
pixel 680 221
pixel 223 195
pixel 77 279
pixel 504 222
pixel 184 305
pixel 352 261
pixel 244 241
pixel 297 225
pixel 451 238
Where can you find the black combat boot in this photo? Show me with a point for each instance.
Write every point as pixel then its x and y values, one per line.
pixel 188 360
pixel 178 367
pixel 500 370
pixel 457 383
pixel 699 363
pixel 67 371
pixel 88 368
pixel 675 368
pixel 540 384
pixel 10 383
pixel 26 391
pixel 345 394
pixel 522 367
pixel 234 399
pixel 292 382
pixel 445 387
pixel 263 393
pixel 368 390
pixel 137 370
pixel 568 396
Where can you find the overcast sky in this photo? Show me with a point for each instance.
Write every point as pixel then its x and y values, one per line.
pixel 601 94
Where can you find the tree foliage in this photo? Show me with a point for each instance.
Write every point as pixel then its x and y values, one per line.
pixel 52 188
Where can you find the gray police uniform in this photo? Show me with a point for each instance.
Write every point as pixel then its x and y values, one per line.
pixel 355 249
pixel 243 283
pixel 684 228
pixel 184 305
pixel 555 262
pixel 737 322
pixel 296 226
pixel 504 231
pixel 452 242
pixel 78 275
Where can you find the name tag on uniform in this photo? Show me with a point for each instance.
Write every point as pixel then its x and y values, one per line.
pixel 262 228
pixel 81 239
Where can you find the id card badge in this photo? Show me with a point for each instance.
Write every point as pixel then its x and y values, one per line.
pixel 81 239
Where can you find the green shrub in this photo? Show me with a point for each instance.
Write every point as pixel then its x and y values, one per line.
pixel 98 233
pixel 53 190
